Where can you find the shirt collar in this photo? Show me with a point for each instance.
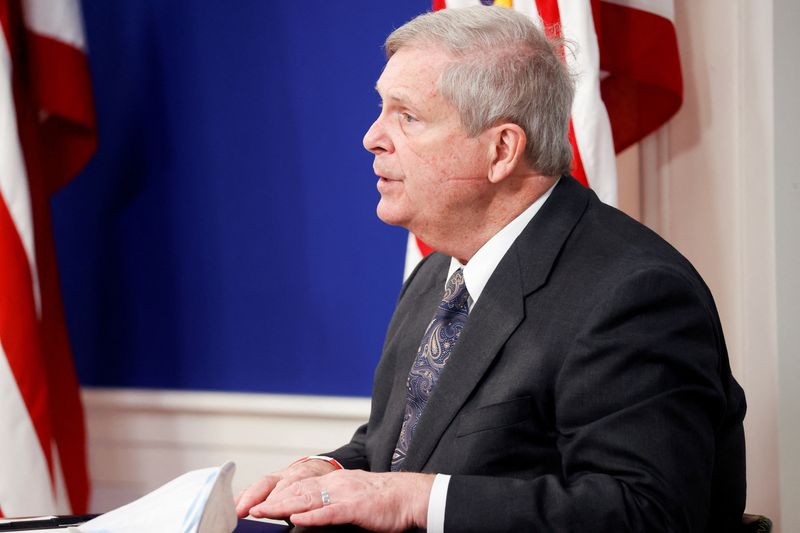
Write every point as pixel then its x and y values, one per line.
pixel 480 268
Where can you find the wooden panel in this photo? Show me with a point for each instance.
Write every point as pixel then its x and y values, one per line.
pixel 139 440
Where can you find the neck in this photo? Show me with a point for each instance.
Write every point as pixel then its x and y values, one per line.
pixel 481 224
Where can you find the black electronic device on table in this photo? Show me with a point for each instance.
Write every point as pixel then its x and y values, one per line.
pixel 244 526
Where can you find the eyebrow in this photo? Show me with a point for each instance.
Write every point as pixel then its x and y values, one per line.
pixel 395 96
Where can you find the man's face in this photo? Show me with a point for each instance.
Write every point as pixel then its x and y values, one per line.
pixel 431 173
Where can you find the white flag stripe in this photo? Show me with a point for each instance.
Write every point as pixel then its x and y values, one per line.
pixel 31 492
pixel 589 117
pixel 14 190
pixel 60 20
pixel 413 256
pixel 462 3
pixel 661 8
pixel 528 7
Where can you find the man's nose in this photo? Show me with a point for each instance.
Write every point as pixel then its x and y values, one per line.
pixel 376 140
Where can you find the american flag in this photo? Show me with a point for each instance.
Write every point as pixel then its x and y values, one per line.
pixel 47 134
pixel 628 79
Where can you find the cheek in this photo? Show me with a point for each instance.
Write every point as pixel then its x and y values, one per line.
pixel 458 166
pixel 443 169
pixel 437 164
pixel 422 167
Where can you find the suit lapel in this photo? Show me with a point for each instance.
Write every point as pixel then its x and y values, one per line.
pixel 496 315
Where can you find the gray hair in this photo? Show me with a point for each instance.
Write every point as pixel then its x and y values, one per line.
pixel 504 69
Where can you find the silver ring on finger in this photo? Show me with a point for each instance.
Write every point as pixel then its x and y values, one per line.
pixel 326 498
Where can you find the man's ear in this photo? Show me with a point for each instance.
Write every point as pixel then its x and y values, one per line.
pixel 506 150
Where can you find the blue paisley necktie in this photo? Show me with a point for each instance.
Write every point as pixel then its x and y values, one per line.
pixel 435 348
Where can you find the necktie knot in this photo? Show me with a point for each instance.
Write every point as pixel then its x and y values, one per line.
pixel 456 296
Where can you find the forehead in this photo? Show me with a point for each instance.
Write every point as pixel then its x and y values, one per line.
pixel 412 73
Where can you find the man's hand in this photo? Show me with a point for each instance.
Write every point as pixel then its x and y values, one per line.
pixel 276 482
pixel 375 501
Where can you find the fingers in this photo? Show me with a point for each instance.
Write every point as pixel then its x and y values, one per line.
pixel 255 493
pixel 328 514
pixel 285 483
pixel 375 501
pixel 277 483
pixel 297 497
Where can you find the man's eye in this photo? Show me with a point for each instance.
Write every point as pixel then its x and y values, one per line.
pixel 407 117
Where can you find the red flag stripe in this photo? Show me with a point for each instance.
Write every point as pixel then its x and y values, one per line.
pixel 423 248
pixel 578 172
pixel 551 20
pixel 644 87
pixel 70 127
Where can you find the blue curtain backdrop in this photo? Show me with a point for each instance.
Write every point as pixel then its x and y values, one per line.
pixel 224 237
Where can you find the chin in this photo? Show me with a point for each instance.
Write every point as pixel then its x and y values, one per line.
pixel 391 215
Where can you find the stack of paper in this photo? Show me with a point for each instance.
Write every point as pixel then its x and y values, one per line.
pixel 200 501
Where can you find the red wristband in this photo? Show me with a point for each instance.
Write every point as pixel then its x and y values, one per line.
pixel 336 464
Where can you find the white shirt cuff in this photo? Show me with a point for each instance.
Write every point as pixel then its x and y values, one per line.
pixel 436 503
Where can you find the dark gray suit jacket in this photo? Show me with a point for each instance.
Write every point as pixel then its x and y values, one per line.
pixel 590 389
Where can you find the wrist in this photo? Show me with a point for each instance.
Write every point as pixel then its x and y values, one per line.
pixel 420 498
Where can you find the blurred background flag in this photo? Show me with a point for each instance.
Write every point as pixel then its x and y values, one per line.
pixel 625 55
pixel 47 134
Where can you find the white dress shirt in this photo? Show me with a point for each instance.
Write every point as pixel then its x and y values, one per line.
pixel 477 272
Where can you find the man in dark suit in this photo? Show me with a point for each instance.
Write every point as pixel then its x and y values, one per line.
pixel 574 376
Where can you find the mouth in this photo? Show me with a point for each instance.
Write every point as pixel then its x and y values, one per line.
pixel 384 177
pixel 386 184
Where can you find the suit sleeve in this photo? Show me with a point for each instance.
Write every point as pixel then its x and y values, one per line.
pixel 637 400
